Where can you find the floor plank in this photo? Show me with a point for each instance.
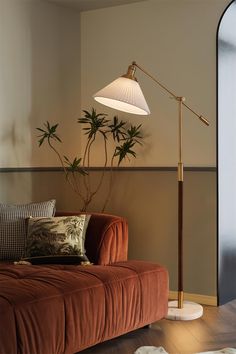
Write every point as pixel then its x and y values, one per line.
pixel 215 330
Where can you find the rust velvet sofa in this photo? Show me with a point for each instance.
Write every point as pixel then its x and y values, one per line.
pixel 63 309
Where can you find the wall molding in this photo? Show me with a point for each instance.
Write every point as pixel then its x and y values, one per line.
pixel 200 299
pixel 117 169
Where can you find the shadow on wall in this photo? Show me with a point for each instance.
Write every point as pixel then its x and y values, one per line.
pixel 15 86
pixel 55 77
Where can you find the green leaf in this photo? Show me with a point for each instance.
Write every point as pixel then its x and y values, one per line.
pixel 75 165
pixel 49 133
pixel 117 128
pixel 134 132
pixel 41 141
pixel 94 123
pixel 124 150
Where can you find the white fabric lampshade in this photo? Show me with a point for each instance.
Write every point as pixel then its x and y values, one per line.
pixel 125 95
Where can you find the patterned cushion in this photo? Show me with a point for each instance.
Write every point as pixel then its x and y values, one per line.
pixel 13 226
pixel 61 235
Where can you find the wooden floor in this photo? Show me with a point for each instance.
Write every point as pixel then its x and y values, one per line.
pixel 215 330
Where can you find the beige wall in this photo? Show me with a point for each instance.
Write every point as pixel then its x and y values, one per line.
pixel 176 42
pixel 40 78
pixel 173 40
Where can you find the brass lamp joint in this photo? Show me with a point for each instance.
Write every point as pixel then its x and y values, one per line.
pixel 180 171
pixel 180 99
pixel 131 72
pixel 180 299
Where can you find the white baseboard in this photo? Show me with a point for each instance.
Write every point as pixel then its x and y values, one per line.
pixel 200 299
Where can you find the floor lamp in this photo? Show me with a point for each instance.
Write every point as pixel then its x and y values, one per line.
pixel 126 95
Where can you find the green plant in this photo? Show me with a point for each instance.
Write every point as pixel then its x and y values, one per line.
pixel 77 170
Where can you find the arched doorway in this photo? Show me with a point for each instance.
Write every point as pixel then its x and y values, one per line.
pixel 226 47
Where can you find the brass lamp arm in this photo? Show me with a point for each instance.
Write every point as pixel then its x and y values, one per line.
pixel 177 98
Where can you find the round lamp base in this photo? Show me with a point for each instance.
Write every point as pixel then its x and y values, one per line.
pixel 190 311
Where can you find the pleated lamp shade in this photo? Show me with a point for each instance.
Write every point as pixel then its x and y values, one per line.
pixel 125 95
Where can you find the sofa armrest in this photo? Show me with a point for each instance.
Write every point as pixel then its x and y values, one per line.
pixel 106 238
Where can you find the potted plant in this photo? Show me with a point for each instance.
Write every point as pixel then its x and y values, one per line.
pixel 77 171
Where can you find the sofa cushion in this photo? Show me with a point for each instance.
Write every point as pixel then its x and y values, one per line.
pixel 63 235
pixel 66 308
pixel 13 226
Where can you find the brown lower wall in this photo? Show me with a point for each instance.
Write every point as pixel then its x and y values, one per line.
pixel 148 199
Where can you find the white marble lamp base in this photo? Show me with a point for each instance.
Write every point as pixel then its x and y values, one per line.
pixel 190 311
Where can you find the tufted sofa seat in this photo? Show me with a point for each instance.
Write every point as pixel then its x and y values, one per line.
pixel 56 309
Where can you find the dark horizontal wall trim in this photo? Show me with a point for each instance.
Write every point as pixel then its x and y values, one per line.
pixel 118 169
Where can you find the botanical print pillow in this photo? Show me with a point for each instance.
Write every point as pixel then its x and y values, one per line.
pixel 62 235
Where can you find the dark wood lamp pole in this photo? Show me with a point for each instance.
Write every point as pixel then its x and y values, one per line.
pixel 180 208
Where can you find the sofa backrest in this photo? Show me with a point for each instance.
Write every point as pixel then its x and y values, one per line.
pixel 106 237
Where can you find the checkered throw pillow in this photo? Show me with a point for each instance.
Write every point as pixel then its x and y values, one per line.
pixel 13 226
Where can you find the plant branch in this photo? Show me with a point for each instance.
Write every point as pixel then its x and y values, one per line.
pixel 110 184
pixel 63 166
pixel 105 164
